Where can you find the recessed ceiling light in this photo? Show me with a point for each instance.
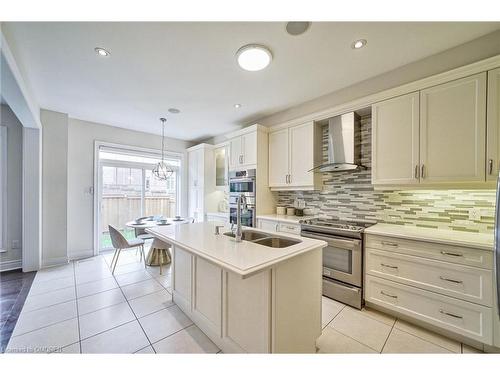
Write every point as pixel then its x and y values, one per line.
pixel 253 57
pixel 358 44
pixel 101 52
pixel 297 28
pixel 173 110
pixel 237 106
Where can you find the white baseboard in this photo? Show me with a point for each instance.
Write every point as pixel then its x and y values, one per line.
pixel 75 255
pixel 54 262
pixel 11 265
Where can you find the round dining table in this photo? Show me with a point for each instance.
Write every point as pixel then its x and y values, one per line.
pixel 158 254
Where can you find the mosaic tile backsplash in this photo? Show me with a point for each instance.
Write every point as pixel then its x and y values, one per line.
pixel 350 196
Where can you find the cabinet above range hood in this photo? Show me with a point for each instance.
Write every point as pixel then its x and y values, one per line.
pixel 344 144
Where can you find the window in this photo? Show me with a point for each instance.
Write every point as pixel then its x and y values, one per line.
pixel 129 190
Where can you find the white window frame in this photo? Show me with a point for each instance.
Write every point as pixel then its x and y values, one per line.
pixel 98 145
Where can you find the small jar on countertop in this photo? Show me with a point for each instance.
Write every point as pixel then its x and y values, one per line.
pixel 290 211
pixel 280 210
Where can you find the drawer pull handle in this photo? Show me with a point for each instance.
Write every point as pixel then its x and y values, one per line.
pixel 385 243
pixel 450 314
pixel 451 280
pixel 452 254
pixel 387 294
pixel 388 266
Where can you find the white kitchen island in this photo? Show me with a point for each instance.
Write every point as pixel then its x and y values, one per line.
pixel 247 297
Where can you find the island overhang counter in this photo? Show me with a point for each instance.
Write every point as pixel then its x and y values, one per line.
pixel 247 297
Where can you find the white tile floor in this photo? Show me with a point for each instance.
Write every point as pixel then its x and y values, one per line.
pixel 347 330
pixel 82 308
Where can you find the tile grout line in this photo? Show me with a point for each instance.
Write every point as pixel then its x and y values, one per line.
pixel 430 342
pixel 102 308
pixel 331 320
pixel 77 311
pixel 389 335
pixel 133 312
pixel 352 338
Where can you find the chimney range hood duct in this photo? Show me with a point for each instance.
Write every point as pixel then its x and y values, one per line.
pixel 344 144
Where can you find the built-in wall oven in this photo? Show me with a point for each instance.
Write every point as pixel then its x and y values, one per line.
pixel 243 182
pixel 342 258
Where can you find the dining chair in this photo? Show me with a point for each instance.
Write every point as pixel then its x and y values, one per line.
pixel 120 242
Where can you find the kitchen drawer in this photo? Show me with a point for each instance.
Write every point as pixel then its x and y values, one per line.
pixel 267 225
pixel 464 318
pixel 289 228
pixel 468 283
pixel 453 254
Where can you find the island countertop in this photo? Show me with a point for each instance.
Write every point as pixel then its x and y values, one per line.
pixel 244 258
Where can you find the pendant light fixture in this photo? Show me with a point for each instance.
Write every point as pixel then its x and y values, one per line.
pixel 162 170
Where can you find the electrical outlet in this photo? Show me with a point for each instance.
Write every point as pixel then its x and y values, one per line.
pixel 15 244
pixel 474 214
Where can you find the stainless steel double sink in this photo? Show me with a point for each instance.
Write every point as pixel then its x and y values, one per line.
pixel 265 239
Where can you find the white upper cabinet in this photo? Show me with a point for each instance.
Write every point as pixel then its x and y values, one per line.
pixel 293 152
pixel 243 151
pixel 278 158
pixel 493 126
pixel 235 152
pixel 249 154
pixel 395 140
pixel 453 131
pixel 301 146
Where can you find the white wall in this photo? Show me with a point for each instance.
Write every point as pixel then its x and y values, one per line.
pixel 54 187
pixel 13 209
pixel 81 137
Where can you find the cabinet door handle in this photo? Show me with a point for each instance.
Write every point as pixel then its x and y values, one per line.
pixel 417 175
pixel 393 244
pixel 490 166
pixel 387 294
pixel 389 266
pixel 452 254
pixel 451 280
pixel 450 314
pixel 422 173
pixel 289 178
pixel 276 228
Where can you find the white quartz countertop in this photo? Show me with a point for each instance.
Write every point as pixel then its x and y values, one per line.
pixel 481 241
pixel 285 218
pixel 244 258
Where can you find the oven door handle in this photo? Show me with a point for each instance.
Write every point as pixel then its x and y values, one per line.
pixel 352 244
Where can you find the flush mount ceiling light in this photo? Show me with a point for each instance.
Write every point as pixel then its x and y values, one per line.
pixel 253 57
pixel 296 28
pixel 237 106
pixel 101 52
pixel 174 111
pixel 360 43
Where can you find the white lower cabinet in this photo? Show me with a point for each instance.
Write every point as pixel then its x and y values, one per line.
pixel 461 317
pixel 248 312
pixel 450 287
pixel 207 293
pixel 182 277
pixel 278 226
pixel 276 310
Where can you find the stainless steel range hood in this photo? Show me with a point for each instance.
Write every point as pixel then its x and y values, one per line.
pixel 344 144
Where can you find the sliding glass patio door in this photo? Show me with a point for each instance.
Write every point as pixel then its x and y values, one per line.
pixel 128 190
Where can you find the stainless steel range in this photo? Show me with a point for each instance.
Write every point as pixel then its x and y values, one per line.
pixel 342 258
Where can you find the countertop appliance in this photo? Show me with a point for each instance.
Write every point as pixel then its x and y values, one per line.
pixel 344 144
pixel 243 182
pixel 342 257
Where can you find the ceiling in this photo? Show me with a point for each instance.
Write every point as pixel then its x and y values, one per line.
pixel 192 67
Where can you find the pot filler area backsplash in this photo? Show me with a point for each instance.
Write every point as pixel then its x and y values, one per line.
pixel 350 195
